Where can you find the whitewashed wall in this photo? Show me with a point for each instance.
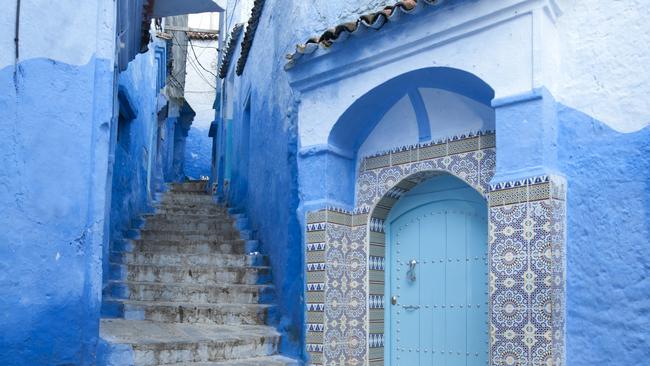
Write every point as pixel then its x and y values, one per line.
pixel 606 61
pixel 73 39
pixel 200 84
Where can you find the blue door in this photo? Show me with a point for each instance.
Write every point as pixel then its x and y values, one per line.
pixel 437 276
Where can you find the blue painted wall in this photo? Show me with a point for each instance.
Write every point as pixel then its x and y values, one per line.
pixel 61 169
pixel 608 261
pixel 143 144
pixel 608 213
pixel 608 198
pixel 54 157
pixel 268 188
pixel 268 192
pixel 198 154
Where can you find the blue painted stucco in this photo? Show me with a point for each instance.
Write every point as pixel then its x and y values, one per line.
pixel 608 220
pixel 198 154
pixel 608 255
pixel 266 185
pixel 353 127
pixel 266 188
pixel 131 193
pixel 55 130
pixel 62 169
pixel 527 133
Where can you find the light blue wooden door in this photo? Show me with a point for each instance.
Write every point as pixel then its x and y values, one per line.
pixel 437 269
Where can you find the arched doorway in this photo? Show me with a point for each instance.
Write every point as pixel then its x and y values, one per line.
pixel 378 151
pixel 381 189
pixel 436 275
pixel 424 123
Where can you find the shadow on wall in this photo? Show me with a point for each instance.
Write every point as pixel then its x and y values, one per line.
pixel 608 256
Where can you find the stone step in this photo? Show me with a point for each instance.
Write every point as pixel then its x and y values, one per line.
pixel 275 360
pixel 187 219
pixel 197 186
pixel 208 227
pixel 196 275
pixel 174 312
pixel 179 292
pixel 182 209
pixel 234 246
pixel 175 259
pixel 190 235
pixel 187 198
pixel 186 216
pixel 155 343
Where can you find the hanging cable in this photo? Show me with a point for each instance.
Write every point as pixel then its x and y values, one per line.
pixel 190 61
pixel 197 59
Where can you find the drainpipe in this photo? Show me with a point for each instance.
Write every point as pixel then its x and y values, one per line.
pixel 17 44
pixel 17 38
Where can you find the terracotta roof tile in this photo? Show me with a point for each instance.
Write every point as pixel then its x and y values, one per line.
pixel 247 43
pixel 203 35
pixel 375 20
pixel 229 50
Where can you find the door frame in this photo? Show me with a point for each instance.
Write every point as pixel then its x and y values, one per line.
pixel 392 216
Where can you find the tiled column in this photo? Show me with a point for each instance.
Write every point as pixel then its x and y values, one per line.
pixel 336 289
pixel 527 271
pixel 315 276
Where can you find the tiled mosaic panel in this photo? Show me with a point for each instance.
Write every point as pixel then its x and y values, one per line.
pixel 333 335
pixel 527 272
pixel 315 276
pixel 336 289
pixel 345 296
pixel 471 158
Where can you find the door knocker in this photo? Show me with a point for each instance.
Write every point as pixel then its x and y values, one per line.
pixel 411 271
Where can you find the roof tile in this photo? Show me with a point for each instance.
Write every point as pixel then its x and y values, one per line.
pixel 341 32
pixel 230 49
pixel 247 43
pixel 202 35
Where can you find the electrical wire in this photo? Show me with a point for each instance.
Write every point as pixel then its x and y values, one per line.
pixel 189 60
pixel 197 59
pixel 199 72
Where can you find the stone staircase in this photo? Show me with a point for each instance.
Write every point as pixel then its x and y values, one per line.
pixel 189 289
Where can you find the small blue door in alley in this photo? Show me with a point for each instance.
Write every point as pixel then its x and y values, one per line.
pixel 437 276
